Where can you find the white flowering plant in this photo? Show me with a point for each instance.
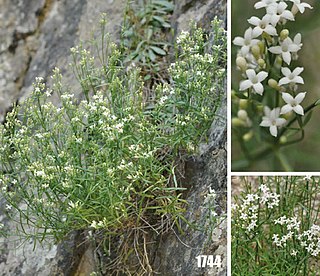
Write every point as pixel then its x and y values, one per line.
pixel 104 160
pixel 267 104
pixel 276 226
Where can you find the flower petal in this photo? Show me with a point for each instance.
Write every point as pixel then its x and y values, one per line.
pixel 298 70
pixel 275 50
pixel 244 85
pixel 250 74
pixel 287 15
pixel 286 57
pixel 298 79
pixel 286 109
pixel 262 76
pixel 299 98
pixel 287 97
pixel 254 20
pixel 298 109
pixel 258 87
pixel 267 111
pixel 283 81
pixel 280 121
pixel 271 30
pixel 273 130
pixel 257 31
pixel 239 41
pixel 293 48
pixel 285 71
pixel 265 123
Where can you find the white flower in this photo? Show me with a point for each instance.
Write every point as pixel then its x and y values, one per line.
pixel 285 49
pixel 272 120
pixel 293 103
pixel 293 252
pixel 278 13
pixel 254 80
pixel 48 93
pixel 162 100
pixel 40 173
pixel 296 41
pixel 291 77
pixel 264 3
pixel 300 6
pixel 94 224
pixel 246 42
pixel 262 25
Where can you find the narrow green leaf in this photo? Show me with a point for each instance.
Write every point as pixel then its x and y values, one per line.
pixel 152 56
pixel 158 50
pixel 307 118
pixel 166 4
pixel 317 102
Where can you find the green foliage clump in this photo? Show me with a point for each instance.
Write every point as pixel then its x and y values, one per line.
pixel 144 34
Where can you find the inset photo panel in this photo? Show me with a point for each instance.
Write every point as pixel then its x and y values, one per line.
pixel 275 225
pixel 275 85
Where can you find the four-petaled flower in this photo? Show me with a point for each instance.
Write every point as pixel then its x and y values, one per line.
pixel 300 6
pixel 285 49
pixel 291 77
pixel 272 120
pixel 293 103
pixel 278 13
pixel 264 3
pixel 246 42
pixel 254 80
pixel 262 25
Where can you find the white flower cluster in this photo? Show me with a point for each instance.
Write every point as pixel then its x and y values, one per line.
pixel 248 209
pixel 309 239
pixel 291 224
pixel 267 45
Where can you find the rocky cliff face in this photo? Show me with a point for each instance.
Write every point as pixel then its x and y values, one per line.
pixel 35 37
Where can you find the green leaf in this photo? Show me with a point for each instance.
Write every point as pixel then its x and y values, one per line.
pixel 152 56
pixel 241 96
pixel 147 77
pixel 149 33
pixel 317 102
pixel 307 118
pixel 166 4
pixel 158 50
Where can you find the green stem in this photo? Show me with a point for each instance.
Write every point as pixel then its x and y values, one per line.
pixel 283 161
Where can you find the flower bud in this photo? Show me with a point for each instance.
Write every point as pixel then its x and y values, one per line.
pixel 261 46
pixel 261 63
pixel 260 108
pixel 255 49
pixel 287 115
pixel 278 62
pixel 246 137
pixel 243 104
pixel 242 114
pixel 236 122
pixel 273 84
pixel 233 94
pixel 241 63
pixel 283 140
pixel 284 34
pixel 294 9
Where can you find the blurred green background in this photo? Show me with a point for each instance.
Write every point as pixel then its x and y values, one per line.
pixel 304 156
